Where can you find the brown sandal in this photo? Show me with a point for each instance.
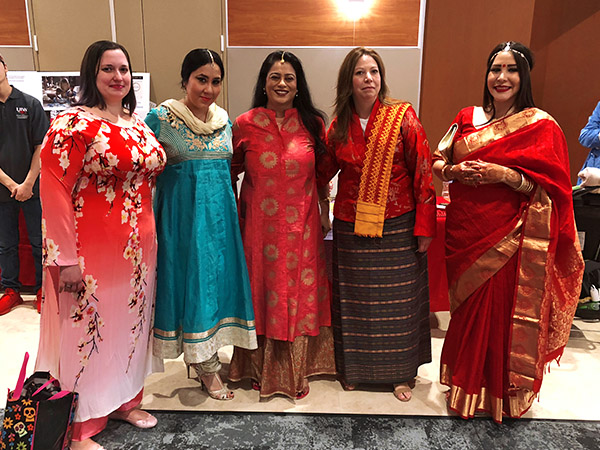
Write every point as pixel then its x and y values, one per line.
pixel 403 392
pixel 347 386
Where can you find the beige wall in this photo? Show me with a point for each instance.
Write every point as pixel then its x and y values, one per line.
pixel 321 68
pixel 156 33
pixel 171 30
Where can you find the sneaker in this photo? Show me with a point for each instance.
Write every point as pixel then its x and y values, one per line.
pixel 9 300
pixel 38 300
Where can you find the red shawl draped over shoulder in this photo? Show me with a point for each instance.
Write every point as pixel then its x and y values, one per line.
pixel 489 225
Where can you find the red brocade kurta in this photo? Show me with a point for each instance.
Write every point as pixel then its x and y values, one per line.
pixel 411 185
pixel 280 223
pixel 514 266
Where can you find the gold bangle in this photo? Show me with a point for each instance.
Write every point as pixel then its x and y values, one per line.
pixel 445 176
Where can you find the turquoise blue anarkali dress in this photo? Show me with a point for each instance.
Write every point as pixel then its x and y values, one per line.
pixel 203 297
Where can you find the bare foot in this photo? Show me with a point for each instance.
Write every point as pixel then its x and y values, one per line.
pixel 136 417
pixel 402 392
pixel 86 444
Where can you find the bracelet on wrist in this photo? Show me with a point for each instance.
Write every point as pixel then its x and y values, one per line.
pixel 445 169
pixel 525 186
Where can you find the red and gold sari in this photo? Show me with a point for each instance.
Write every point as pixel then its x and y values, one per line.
pixel 514 268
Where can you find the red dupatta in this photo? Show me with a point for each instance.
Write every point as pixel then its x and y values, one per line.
pixel 488 225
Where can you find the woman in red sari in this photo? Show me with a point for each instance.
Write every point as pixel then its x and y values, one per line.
pixel 512 255
pixel 275 145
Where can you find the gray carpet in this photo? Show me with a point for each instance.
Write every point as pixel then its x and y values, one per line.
pixel 262 431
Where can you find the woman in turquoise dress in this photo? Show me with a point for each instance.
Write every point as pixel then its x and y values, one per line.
pixel 203 299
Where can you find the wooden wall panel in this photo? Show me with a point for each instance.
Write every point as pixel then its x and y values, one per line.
pixel 455 50
pixel 565 40
pixel 277 23
pixel 66 28
pixel 14 29
pixel 130 31
pixel 170 33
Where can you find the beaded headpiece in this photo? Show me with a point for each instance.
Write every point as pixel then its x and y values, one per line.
pixel 212 60
pixel 507 48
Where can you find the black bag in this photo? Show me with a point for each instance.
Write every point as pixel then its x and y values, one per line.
pixel 38 415
pixel 586 206
pixel 589 306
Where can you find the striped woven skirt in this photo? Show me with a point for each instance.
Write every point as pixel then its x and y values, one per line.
pixel 380 309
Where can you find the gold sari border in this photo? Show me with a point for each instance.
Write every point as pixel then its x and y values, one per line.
pixel 467 405
pixel 486 266
pixel 532 305
pixel 377 169
pixel 497 130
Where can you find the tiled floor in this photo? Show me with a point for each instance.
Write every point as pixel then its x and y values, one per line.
pixel 570 391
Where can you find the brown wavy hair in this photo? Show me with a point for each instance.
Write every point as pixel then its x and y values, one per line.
pixel 344 103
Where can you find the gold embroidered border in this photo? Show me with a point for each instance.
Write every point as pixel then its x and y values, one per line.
pixel 519 400
pixel 485 267
pixel 229 321
pixel 532 306
pixel 497 130
pixel 377 168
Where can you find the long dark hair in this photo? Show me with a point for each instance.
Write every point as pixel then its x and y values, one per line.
pixel 90 65
pixel 312 118
pixel 524 59
pixel 197 58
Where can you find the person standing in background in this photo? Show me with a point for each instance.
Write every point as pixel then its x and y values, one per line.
pixel 590 138
pixel 23 124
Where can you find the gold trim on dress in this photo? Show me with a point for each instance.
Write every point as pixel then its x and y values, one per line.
pixel 377 169
pixel 497 130
pixel 527 353
pixel 485 267
pixel 519 399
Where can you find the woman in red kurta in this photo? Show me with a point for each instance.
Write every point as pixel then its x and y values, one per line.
pixel 275 145
pixel 384 222
pixel 512 255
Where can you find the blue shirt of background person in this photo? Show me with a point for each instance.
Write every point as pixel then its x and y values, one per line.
pixel 590 137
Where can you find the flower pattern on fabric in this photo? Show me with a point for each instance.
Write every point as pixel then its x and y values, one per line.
pixel 103 175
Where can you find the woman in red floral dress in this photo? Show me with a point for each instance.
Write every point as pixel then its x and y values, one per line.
pixel 99 162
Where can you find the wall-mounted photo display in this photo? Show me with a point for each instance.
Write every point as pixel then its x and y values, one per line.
pixel 57 91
